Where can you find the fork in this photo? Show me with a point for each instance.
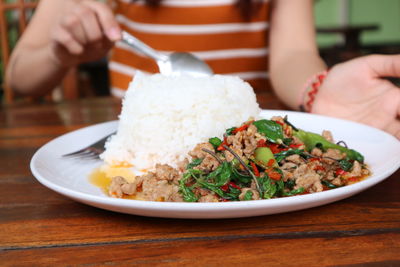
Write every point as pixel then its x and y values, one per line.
pixel 92 151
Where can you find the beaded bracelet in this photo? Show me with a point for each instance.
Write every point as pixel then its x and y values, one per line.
pixel 310 90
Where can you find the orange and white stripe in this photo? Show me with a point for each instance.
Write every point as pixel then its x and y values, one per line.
pixel 213 30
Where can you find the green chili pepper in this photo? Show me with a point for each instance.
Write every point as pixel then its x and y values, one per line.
pixel 312 140
pixel 263 155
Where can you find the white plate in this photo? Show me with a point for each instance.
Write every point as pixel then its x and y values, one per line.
pixel 69 177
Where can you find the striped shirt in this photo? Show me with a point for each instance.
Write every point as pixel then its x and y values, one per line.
pixel 213 30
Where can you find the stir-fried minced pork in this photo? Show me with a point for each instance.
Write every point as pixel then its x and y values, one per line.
pixel 307 178
pixel 206 195
pixel 333 154
pixel 244 142
pixel 257 160
pixel 327 135
pixel 160 185
pixel 119 186
pixel 208 162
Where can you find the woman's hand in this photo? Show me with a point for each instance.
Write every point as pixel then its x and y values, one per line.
pixel 356 90
pixel 85 32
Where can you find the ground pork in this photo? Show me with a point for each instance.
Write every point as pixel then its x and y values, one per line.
pixel 119 186
pixel 327 135
pixel 295 159
pixel 244 142
pixel 332 155
pixel 307 178
pixel 355 171
pixel 160 185
pixel 209 162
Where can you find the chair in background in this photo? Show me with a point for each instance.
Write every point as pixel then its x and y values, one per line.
pixel 16 13
pixel 352 46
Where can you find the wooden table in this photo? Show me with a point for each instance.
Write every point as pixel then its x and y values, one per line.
pixel 41 227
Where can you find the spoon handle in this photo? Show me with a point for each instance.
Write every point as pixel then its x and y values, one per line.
pixel 142 47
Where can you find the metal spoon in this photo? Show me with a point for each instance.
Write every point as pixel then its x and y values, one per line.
pixel 176 63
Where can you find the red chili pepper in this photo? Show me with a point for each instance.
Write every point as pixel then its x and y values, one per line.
pixel 274 175
pixel 221 146
pixel 261 143
pixel 340 172
pixel 241 128
pixel 315 159
pixel 319 168
pixel 274 148
pixel 234 185
pixel 271 163
pixel 295 145
pixel 353 179
pixel 280 123
pixel 225 187
pixel 255 170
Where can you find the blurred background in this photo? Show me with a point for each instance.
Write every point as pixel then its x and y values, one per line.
pixel 346 29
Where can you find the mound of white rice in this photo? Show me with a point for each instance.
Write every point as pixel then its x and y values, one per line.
pixel 163 118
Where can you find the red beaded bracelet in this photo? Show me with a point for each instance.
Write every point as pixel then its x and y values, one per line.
pixel 310 90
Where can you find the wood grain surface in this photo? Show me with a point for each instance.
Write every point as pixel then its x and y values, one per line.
pixel 39 227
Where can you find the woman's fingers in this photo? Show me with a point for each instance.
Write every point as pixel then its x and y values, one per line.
pixel 106 19
pixel 384 65
pixel 89 23
pixel 63 37
pixel 72 24
pixel 394 128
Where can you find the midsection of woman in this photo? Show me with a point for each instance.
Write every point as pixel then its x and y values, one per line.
pixel 216 31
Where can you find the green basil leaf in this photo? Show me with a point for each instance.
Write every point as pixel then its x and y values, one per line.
pixel 287 141
pixel 283 154
pixel 239 177
pixel 268 188
pixel 194 163
pixel 186 191
pixel 345 165
pixel 290 184
pixel 230 131
pixel 221 175
pixel 270 129
pixel 248 195
pixel 215 141
pixel 329 185
pixel 294 192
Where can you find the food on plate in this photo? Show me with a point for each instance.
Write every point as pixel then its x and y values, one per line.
pixel 260 159
pixel 164 117
pixel 175 142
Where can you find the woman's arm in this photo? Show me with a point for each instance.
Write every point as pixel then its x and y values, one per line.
pixel 294 56
pixel 62 34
